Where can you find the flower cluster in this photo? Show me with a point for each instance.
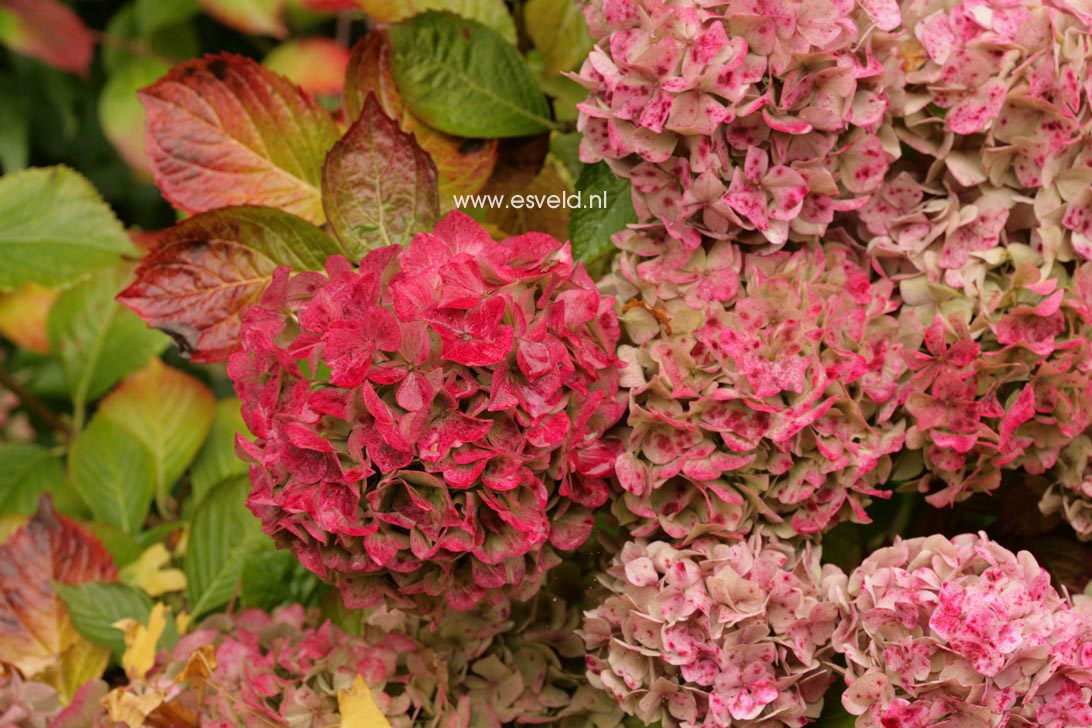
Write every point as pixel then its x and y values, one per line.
pixel 431 424
pixel 962 631
pixel 739 120
pixel 259 669
pixel 465 669
pixel 1005 383
pixel 714 634
pixel 1071 495
pixel 519 664
pixel 762 390
pixel 31 704
pixel 993 99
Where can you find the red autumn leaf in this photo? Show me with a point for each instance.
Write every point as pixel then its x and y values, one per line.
pixel 224 130
pixel 207 270
pixel 36 635
pixel 49 31
pixel 378 186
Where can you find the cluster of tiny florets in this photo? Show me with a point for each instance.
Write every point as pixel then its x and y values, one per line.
pixel 739 120
pixel 762 390
pixel 715 634
pixel 962 632
pixel 429 426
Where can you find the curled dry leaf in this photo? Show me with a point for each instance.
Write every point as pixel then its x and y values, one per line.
pixel 217 137
pixel 36 635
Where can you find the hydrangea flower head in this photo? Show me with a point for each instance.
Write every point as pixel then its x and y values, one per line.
pixel 736 119
pixel 257 669
pixel 1004 384
pixel 994 100
pixel 715 634
pixel 964 631
pixel 761 390
pixel 430 426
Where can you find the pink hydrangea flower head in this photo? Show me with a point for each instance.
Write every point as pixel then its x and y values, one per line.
pixel 962 631
pixel 1071 493
pixel 762 389
pixel 740 120
pixel 287 667
pixel 32 704
pixel 517 664
pixel 994 98
pixel 429 426
pixel 715 634
pixel 1005 384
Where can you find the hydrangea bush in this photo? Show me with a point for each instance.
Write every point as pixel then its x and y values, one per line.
pixel 713 483
pixel 430 426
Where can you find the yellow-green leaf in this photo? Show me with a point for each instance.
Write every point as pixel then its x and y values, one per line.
pixel 358 709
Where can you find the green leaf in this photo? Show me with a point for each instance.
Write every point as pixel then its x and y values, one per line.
pixel 14 124
pixel 559 32
pixel 160 28
pixel 95 606
pixel 124 547
pixel 460 77
pixel 151 15
pixel 54 228
pixel 272 577
pixel 26 471
pixel 167 410
pixel 114 472
pixel 378 186
pixel 591 227
pixel 223 535
pixel 217 461
pixel 120 113
pixel 99 342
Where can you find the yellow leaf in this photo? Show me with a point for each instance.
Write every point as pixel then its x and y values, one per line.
pixel 141 641
pixel 130 708
pixel 358 709
pixel 82 662
pixel 9 525
pixel 182 622
pixel 148 572
pixel 23 315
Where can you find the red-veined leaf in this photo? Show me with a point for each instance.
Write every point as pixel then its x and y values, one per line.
pixel 378 185
pixel 224 130
pixel 207 270
pixel 48 30
pixel 36 634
